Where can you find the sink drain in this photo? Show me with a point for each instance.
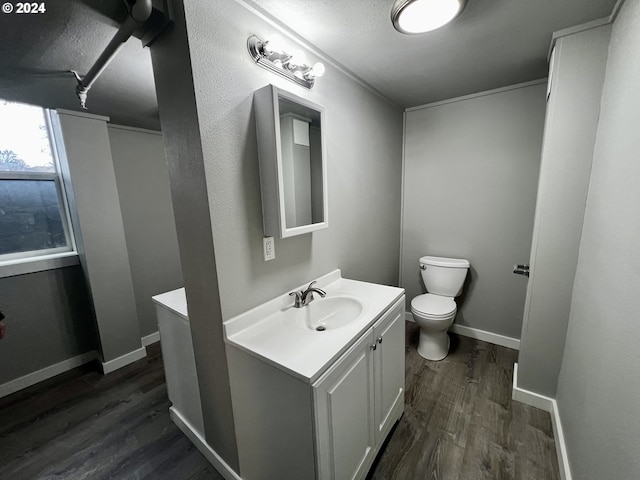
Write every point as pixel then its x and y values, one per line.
pixel 320 328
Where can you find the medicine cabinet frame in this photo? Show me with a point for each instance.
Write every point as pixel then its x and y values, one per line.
pixel 267 107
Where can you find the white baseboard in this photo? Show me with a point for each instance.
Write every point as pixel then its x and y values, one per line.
pixel 46 373
pixel 550 405
pixel 478 334
pixel 528 397
pixel 201 444
pixel 485 336
pixel 561 446
pixel 124 360
pixel 149 339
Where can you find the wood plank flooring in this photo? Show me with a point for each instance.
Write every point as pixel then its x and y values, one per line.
pixel 459 423
pixel 85 425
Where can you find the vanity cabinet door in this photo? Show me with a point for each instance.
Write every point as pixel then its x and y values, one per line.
pixel 345 434
pixel 389 335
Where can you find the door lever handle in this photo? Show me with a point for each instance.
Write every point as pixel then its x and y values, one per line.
pixel 521 269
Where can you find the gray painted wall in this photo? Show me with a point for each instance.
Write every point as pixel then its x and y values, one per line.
pixel 599 383
pixel 49 314
pixel 363 142
pixel 147 215
pixel 216 143
pixel 49 320
pixel 183 148
pixel 567 152
pixel 471 170
pixel 85 156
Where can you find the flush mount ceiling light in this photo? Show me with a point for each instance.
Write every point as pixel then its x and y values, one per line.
pixel 420 16
pixel 270 55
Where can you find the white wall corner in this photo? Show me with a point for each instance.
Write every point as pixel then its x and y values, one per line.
pixel 530 398
pixel 124 360
pixel 478 334
pixel 201 444
pixel 550 405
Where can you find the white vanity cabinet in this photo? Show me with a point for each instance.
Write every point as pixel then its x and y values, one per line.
pixel 388 368
pixel 179 361
pixel 359 398
pixel 330 425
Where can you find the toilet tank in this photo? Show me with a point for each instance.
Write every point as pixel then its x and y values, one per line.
pixel 444 276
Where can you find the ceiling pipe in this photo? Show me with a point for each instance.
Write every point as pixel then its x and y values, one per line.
pixel 139 12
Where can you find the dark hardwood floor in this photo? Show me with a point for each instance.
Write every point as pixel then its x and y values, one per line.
pixel 459 423
pixel 85 425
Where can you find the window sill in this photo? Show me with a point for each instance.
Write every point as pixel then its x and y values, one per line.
pixel 22 266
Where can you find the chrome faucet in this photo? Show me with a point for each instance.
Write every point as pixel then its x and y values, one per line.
pixel 305 297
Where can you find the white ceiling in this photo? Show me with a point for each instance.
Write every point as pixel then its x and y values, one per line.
pixel 493 43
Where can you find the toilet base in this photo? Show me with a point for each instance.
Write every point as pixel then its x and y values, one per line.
pixel 433 345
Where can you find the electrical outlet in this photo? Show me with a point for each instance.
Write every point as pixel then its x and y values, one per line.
pixel 269 248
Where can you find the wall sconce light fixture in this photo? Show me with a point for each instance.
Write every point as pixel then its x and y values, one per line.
pixel 269 55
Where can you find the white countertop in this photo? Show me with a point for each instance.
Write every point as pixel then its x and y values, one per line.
pixel 306 353
pixel 175 300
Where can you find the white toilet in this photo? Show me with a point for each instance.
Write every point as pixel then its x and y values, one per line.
pixel 435 311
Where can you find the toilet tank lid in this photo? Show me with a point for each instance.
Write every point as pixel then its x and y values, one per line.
pixel 445 262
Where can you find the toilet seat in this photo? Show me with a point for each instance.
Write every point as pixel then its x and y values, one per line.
pixel 433 306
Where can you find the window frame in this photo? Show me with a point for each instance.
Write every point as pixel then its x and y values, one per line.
pixel 56 176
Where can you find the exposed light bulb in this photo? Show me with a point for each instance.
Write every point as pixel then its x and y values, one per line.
pixel 266 48
pixel 296 59
pixel 275 44
pixel 317 70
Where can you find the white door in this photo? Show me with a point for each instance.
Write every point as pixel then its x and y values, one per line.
pixel 389 336
pixel 344 413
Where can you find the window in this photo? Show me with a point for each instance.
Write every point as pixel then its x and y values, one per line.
pixel 33 209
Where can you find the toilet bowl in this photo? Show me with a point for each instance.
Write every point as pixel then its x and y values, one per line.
pixel 434 312
pixel 434 341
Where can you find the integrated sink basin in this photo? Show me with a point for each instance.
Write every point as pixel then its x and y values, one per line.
pixel 324 313
pixel 304 341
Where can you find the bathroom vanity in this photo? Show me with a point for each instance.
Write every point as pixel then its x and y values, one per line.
pixel 315 389
pixel 317 403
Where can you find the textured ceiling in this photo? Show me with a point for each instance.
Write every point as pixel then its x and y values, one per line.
pixel 38 50
pixel 493 43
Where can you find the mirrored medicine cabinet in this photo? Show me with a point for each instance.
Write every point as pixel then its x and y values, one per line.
pixel 293 173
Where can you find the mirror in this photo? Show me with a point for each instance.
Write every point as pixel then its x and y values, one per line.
pixel 293 173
